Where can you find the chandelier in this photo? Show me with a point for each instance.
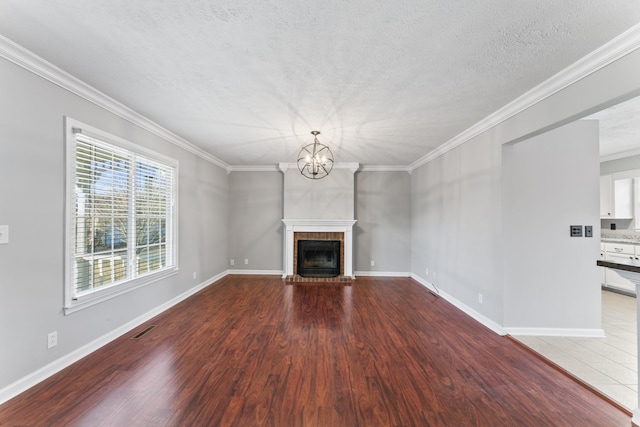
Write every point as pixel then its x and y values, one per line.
pixel 315 160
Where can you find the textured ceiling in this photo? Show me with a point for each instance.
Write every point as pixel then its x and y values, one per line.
pixel 386 82
pixel 619 129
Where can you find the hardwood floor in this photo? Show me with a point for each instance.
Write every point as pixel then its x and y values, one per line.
pixel 254 351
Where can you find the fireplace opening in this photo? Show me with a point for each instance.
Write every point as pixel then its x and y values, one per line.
pixel 318 258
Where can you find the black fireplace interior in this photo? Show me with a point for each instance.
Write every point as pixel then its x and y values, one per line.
pixel 319 258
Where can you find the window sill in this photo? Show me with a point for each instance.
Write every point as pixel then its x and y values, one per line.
pixel 106 294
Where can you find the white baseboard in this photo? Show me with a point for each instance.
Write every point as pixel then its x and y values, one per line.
pixel 257 272
pixel 462 306
pixel 500 330
pixel 382 273
pixel 556 332
pixel 56 366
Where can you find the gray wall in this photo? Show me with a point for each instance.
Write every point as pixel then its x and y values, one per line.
pixel 457 200
pixel 383 230
pixel 255 220
pixel 32 204
pixel 456 228
pixel 383 211
pixel 543 265
pixel 331 197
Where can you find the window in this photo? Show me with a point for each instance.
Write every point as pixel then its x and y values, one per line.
pixel 121 216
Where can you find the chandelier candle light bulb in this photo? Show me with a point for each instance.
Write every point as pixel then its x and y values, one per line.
pixel 315 160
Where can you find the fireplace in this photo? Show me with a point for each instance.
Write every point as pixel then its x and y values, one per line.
pixel 340 231
pixel 318 258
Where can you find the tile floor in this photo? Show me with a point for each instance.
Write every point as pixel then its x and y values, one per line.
pixel 608 364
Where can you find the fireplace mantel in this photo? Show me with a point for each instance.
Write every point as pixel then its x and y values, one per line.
pixel 318 226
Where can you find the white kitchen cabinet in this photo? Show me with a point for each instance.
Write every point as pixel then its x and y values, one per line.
pixel 603 270
pixel 606 196
pixel 623 198
pixel 616 197
pixel 619 251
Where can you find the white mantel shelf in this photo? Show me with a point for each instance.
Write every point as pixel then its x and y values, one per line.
pixel 315 223
pixel 319 226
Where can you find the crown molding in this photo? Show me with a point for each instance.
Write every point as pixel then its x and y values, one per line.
pixel 353 167
pixel 20 56
pixel 621 155
pixel 384 168
pixel 254 168
pixel 282 167
pixel 620 46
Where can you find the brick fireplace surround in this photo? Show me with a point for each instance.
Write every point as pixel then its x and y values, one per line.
pixel 341 230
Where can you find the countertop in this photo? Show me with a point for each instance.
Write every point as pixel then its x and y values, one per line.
pixel 628 237
pixel 623 241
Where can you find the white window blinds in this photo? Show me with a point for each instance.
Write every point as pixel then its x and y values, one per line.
pixel 123 215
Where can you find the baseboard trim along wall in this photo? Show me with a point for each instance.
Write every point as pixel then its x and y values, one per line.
pixel 556 332
pixel 382 274
pixel 56 366
pixel 500 330
pixel 462 306
pixel 257 272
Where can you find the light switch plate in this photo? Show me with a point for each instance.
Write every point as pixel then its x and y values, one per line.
pixel 4 234
pixel 588 231
pixel 575 230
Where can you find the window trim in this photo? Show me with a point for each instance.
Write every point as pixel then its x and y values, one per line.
pixel 74 303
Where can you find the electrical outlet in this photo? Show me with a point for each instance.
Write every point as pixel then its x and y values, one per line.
pixel 426 270
pixel 232 262
pixel 246 261
pixel 480 298
pixel 195 275
pixel 52 339
pixel 435 275
pixel 373 263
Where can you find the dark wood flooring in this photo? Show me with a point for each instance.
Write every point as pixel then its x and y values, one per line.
pixel 255 351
